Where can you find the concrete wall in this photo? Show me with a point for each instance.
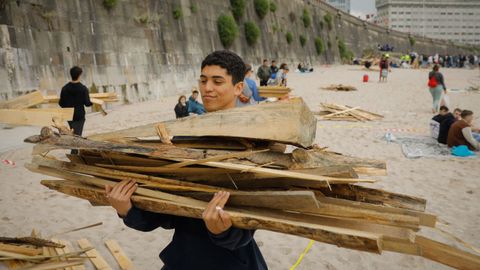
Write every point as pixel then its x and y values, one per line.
pixel 139 50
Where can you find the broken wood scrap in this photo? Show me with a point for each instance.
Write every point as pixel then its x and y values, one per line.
pixel 240 218
pixel 34 117
pixel 97 260
pixel 117 252
pixel 24 101
pixel 339 112
pixel 34 241
pixel 279 121
pixel 274 91
pixel 340 87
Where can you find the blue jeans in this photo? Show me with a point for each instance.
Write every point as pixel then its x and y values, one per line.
pixel 476 136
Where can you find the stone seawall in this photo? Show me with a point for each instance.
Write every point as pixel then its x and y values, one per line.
pixel 139 49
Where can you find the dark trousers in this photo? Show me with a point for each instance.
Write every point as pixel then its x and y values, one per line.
pixel 263 82
pixel 77 127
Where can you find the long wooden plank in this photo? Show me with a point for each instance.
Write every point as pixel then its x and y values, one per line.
pixel 34 117
pixel 104 96
pixel 54 265
pixel 23 102
pixel 67 249
pixel 109 173
pixel 290 122
pixel 97 260
pixel 269 199
pixel 242 219
pixel 214 158
pixel 375 196
pixel 288 174
pixel 123 261
pixel 20 249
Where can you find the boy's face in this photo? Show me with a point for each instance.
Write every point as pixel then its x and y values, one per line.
pixel 217 89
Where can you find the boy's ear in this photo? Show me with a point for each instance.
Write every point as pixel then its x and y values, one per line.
pixel 238 88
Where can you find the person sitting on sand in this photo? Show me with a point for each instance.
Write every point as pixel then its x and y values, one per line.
pixel 460 132
pixel 436 120
pixel 436 85
pixel 457 112
pixel 195 107
pixel 446 122
pixel 211 243
pixel 181 109
pixel 252 84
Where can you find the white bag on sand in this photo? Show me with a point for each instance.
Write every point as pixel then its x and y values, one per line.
pixel 445 101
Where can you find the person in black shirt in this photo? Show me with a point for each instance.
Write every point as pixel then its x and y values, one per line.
pixel 75 95
pixel 210 243
pixel 181 109
pixel 273 68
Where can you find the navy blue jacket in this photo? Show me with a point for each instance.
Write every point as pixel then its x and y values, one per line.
pixel 194 247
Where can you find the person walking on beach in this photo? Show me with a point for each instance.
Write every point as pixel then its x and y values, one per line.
pixel 263 73
pixel 75 95
pixel 384 67
pixel 437 85
pixel 210 243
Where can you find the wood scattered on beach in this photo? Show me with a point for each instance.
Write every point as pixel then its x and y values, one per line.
pixel 337 112
pixel 340 87
pixel 310 192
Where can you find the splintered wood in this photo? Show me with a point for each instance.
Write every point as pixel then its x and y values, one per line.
pixel 309 192
pixel 338 112
pixel 340 87
pixel 19 111
pixel 274 91
pixel 33 253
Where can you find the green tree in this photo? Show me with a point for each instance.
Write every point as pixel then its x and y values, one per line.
pixel 302 40
pixel 238 8
pixel 289 37
pixel 307 20
pixel 252 33
pixel 261 8
pixel 177 13
pixel 273 6
pixel 328 20
pixel 319 47
pixel 109 4
pixel 227 29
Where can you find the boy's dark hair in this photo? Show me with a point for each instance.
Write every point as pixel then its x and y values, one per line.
pixel 75 72
pixel 457 110
pixel 436 67
pixel 228 60
pixel 274 61
pixel 466 113
pixel 444 108
pixel 265 60
pixel 194 92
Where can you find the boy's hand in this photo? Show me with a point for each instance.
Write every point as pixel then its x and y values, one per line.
pixel 217 220
pixel 119 196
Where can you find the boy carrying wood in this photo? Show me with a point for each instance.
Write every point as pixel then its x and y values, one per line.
pixel 211 243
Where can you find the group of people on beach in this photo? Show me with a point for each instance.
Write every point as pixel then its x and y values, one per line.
pixel 452 129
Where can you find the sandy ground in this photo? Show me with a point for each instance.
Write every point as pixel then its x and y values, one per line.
pixel 451 186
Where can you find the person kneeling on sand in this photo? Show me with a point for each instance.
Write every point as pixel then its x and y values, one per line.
pixel 211 243
pixel 446 122
pixel 460 132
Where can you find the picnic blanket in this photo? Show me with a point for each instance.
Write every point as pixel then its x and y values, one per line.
pixel 424 146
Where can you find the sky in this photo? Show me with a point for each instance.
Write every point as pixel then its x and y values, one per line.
pixel 362 7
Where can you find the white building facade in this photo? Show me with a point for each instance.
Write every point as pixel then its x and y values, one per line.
pixel 343 5
pixel 455 20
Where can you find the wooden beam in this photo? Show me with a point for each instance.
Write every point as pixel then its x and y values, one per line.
pixel 289 122
pixel 97 260
pixel 240 218
pixel 34 117
pixel 24 101
pixel 375 196
pixel 66 250
pixel 53 265
pixel 20 249
pixel 123 261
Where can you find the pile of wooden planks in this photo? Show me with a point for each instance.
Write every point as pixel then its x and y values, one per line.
pixel 35 253
pixel 19 111
pixel 336 112
pixel 274 91
pixel 340 87
pixel 308 192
